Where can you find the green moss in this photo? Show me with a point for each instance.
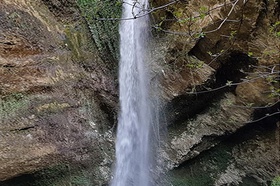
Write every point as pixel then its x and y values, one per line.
pixel 80 180
pixel 13 105
pixel 50 176
pixel 192 174
pixel 220 158
pixel 45 177
pixel 58 175
pixel 192 181
pixel 104 33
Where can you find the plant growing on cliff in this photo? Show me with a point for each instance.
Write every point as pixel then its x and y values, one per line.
pixel 104 33
pixel 275 29
pixel 224 22
pixel 276 181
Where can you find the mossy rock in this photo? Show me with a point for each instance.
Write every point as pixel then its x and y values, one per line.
pixel 204 169
pixel 58 175
pixel 13 104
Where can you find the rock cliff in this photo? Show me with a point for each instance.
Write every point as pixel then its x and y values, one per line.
pixel 215 63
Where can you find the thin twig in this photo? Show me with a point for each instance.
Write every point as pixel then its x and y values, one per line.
pixel 139 16
pixel 232 8
pixel 266 116
pixel 229 85
pixel 254 107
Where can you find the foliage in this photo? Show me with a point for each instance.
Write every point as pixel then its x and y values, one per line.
pixel 275 29
pixel 104 33
pixel 276 181
pixel 250 54
pixel 274 86
pixel 203 11
pixel 195 64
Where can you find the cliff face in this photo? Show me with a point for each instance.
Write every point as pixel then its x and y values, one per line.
pixel 217 64
pixel 218 59
pixel 58 98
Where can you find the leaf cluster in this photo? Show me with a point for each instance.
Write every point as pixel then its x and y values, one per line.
pixel 104 33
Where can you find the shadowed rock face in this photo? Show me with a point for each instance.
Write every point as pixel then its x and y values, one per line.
pixel 210 90
pixel 58 98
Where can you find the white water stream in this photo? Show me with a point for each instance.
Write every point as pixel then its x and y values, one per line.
pixel 134 143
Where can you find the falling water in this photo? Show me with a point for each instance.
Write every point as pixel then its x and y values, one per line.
pixel 134 143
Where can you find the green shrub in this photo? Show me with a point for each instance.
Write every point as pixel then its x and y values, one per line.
pixel 104 32
pixel 276 181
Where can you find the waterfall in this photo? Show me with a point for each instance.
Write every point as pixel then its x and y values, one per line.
pixel 134 142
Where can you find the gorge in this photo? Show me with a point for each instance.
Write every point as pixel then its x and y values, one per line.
pixel 215 65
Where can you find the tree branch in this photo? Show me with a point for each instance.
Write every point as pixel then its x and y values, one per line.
pixel 138 16
pixel 232 8
pixel 266 116
pixel 233 84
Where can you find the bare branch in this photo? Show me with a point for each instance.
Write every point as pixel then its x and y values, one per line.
pixel 255 107
pixel 266 116
pixel 232 8
pixel 232 84
pixel 138 16
pixel 163 6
